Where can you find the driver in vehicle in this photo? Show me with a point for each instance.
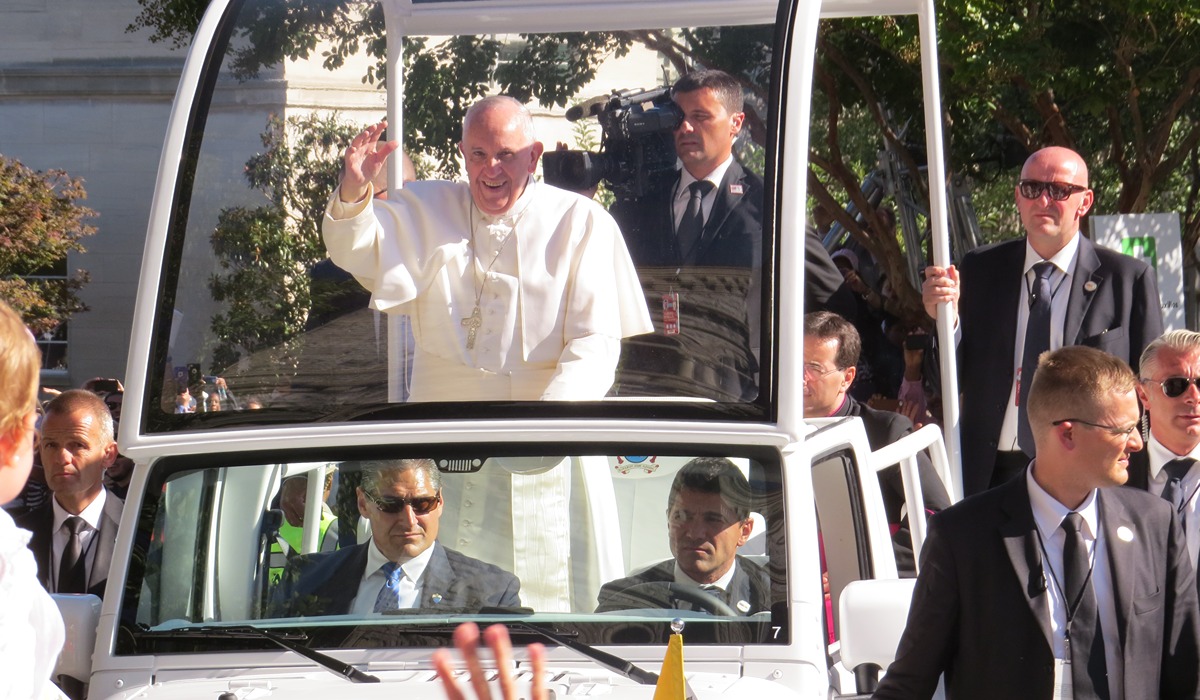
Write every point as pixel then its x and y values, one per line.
pixel 708 519
pixel 402 566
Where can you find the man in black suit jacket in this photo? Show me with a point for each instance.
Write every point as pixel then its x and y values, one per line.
pixel 403 566
pixel 1100 299
pixel 988 610
pixel 708 519
pixel 1170 366
pixel 831 350
pixel 76 445
pixel 704 293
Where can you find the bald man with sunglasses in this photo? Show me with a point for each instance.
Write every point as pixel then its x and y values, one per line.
pixel 1075 293
pixel 402 566
pixel 1169 389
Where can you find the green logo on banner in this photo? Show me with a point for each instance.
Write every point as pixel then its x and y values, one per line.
pixel 1141 247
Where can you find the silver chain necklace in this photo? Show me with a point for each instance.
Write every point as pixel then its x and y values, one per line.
pixel 475 320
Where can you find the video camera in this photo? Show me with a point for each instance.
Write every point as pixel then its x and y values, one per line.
pixel 636 146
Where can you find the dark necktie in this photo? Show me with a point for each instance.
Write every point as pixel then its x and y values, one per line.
pixel 72 576
pixel 1085 642
pixel 692 223
pixel 1173 492
pixel 1037 341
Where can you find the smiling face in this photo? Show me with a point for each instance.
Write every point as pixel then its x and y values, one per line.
pixel 704 139
pixel 1174 422
pixel 405 534
pixel 500 154
pixel 705 534
pixel 1051 224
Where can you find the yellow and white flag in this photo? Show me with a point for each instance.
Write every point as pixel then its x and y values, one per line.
pixel 671 683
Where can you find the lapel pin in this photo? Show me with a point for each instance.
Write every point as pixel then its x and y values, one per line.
pixel 743 607
pixel 735 188
pixel 1123 533
pixel 436 598
pixel 1089 286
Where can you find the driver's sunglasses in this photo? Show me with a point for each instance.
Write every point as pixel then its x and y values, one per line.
pixel 1058 191
pixel 1174 387
pixel 421 505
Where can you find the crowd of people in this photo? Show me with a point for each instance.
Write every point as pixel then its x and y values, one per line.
pixel 1047 576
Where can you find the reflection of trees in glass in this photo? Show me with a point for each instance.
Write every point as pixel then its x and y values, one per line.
pixel 266 252
pixel 40 223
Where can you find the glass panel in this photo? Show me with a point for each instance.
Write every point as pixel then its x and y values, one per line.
pixel 255 314
pixel 608 547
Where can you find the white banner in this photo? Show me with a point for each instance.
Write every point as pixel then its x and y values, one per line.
pixel 1154 238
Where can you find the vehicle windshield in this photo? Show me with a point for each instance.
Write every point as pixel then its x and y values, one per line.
pixel 603 547
pixel 255 324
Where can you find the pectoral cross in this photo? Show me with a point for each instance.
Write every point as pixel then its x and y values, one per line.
pixel 472 324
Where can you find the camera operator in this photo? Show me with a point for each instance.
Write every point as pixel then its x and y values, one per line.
pixel 694 226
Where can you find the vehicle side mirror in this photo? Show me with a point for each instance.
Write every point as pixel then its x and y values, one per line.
pixel 873 614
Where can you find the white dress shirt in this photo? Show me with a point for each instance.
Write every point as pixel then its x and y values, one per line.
pixel 683 192
pixel 1048 514
pixel 373 580
pixel 1060 286
pixel 1158 457
pixel 87 536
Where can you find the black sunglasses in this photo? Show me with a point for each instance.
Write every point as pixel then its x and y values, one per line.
pixel 1032 189
pixel 1174 387
pixel 421 505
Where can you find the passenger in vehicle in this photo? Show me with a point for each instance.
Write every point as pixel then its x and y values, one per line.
pixel 708 519
pixel 74 533
pixel 696 238
pixel 831 353
pixel 293 500
pixel 1056 579
pixel 403 566
pixel 1170 395
pixel 516 289
pixel 30 626
pixel 1090 295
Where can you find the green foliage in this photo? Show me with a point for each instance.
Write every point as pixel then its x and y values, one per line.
pixel 40 223
pixel 265 252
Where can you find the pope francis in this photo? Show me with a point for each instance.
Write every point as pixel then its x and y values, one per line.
pixel 516 290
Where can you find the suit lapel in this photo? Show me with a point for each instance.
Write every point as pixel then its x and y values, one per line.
pixel 1019 533
pixel 1003 288
pixel 438 577
pixel 42 542
pixel 106 540
pixel 1087 271
pixel 729 194
pixel 1122 548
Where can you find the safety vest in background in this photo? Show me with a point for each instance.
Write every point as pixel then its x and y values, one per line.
pixel 287 541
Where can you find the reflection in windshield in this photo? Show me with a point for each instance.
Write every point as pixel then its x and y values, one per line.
pixel 259 316
pixel 608 547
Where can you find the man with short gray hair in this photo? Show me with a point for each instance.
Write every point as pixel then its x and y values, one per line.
pixel 1169 389
pixel 402 566
pixel 516 289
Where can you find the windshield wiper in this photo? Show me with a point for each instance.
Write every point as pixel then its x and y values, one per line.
pixel 289 642
pixel 610 661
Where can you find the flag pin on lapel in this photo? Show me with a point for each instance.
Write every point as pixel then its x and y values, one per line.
pixel 1124 534
pixel 735 188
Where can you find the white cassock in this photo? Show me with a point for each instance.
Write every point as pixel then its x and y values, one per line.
pixel 551 278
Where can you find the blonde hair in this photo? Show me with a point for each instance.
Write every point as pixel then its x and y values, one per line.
pixel 19 365
pixel 1075 382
